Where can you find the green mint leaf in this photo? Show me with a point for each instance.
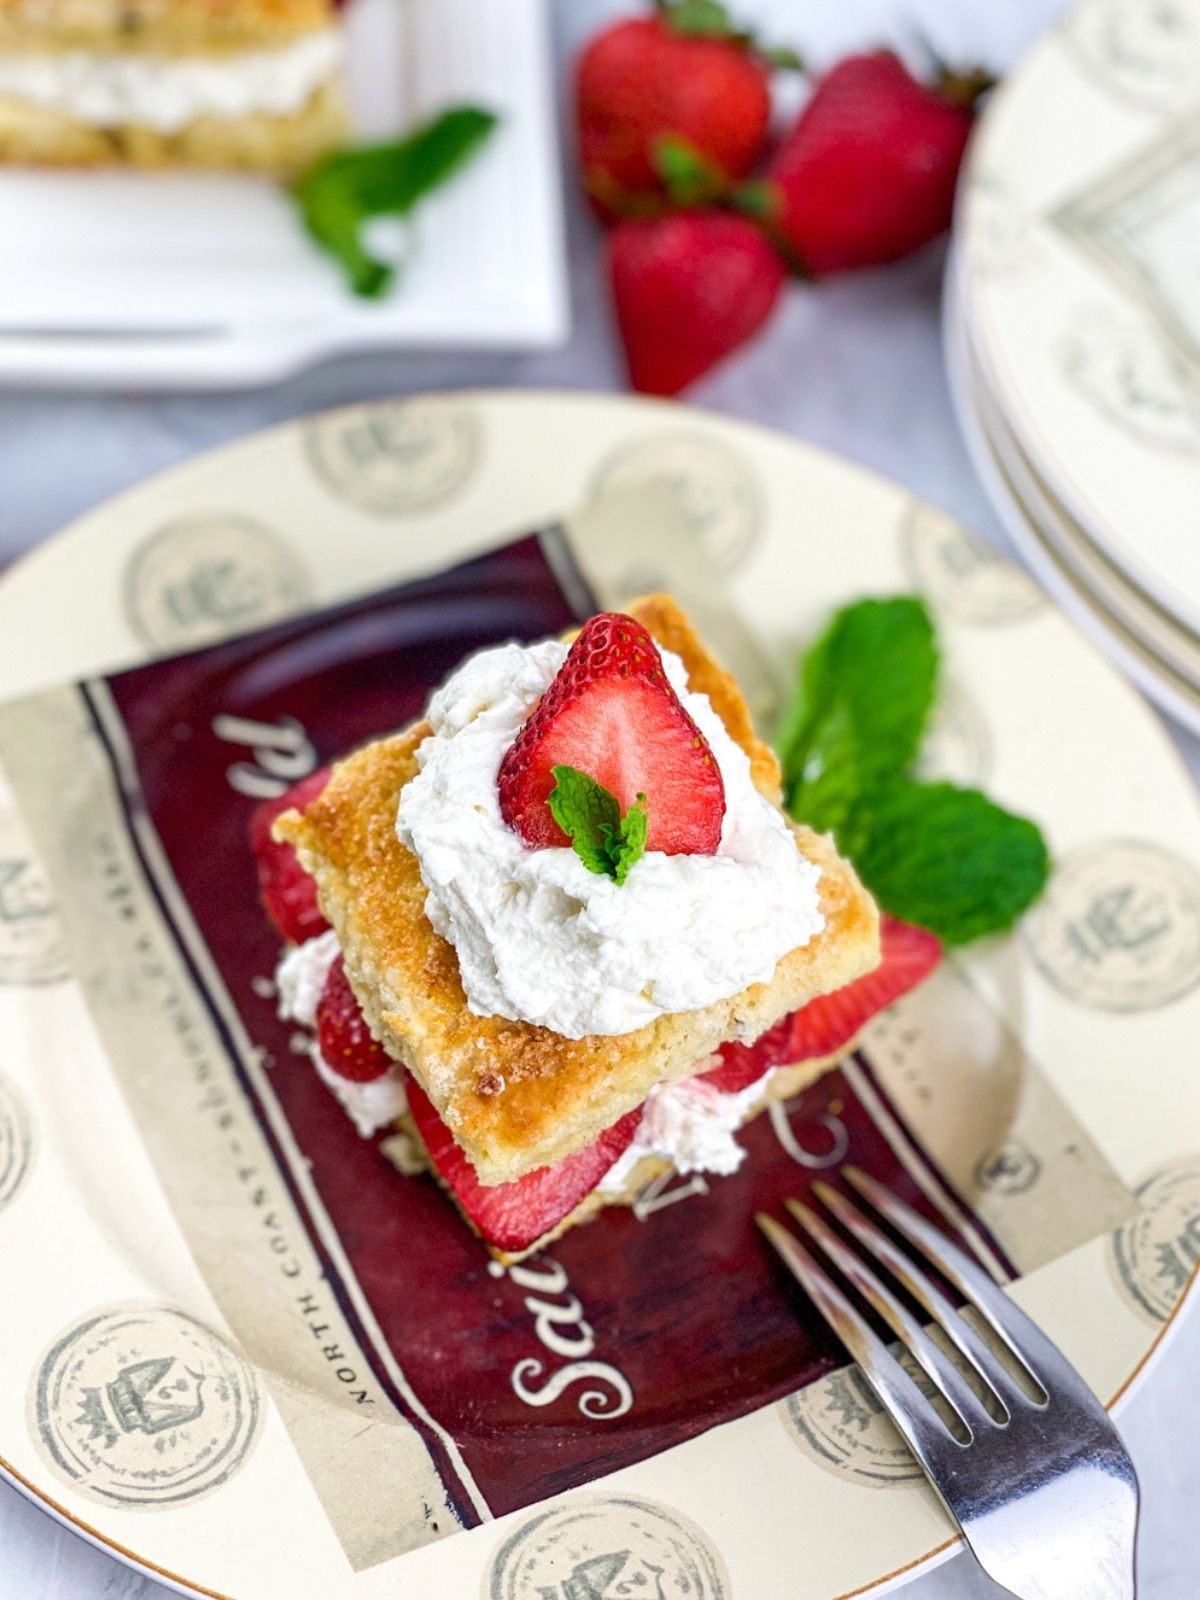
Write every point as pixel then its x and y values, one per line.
pixel 688 177
pixel 876 667
pixel 626 844
pixel 833 783
pixel 948 859
pixel 604 840
pixel 348 187
pixel 588 814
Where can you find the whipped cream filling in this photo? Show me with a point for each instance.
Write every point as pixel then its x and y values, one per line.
pixel 299 978
pixel 541 939
pixel 692 1125
pixel 167 92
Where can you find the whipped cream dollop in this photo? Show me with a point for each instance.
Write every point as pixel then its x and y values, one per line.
pixel 541 939
pixel 299 978
pixel 167 92
pixel 693 1126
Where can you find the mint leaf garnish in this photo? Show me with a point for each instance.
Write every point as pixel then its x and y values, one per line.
pixel 870 679
pixel 946 858
pixel 626 843
pixel 949 859
pixel 605 841
pixel 347 188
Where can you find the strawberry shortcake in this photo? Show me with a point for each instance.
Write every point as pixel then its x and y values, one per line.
pixel 560 937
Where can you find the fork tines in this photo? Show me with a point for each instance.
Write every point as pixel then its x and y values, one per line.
pixel 997 1393
pixel 1022 1454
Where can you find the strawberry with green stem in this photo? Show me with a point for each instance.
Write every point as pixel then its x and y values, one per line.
pixel 685 72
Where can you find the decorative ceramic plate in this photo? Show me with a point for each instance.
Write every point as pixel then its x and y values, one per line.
pixel 200 280
pixel 1145 640
pixel 1080 239
pixel 249 1354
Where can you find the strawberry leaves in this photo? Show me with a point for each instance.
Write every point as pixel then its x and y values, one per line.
pixel 946 858
pixel 605 841
pixel 709 19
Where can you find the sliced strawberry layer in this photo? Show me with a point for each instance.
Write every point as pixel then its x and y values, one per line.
pixel 346 1043
pixel 512 1216
pixel 288 893
pixel 612 713
pixel 830 1022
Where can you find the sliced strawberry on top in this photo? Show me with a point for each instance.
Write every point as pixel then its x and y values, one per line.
pixel 612 714
pixel 288 893
pixel 345 1041
pixel 831 1022
pixel 512 1216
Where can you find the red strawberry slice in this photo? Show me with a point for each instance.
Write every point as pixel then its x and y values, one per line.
pixel 512 1216
pixel 688 290
pixel 288 893
pixel 831 1022
pixel 868 171
pixel 343 1037
pixel 612 713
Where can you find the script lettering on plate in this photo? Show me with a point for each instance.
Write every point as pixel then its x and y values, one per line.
pixel 833 1136
pixel 560 1327
pixel 282 751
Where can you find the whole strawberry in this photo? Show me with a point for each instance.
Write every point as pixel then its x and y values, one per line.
pixel 868 171
pixel 684 72
pixel 688 289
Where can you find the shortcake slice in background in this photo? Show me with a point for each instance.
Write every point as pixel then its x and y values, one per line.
pixel 252 84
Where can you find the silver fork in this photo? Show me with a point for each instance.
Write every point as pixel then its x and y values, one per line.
pixel 1021 1453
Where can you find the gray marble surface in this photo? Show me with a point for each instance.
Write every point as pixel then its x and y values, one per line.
pixel 855 366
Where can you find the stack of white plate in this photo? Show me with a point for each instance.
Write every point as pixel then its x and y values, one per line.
pixel 1073 328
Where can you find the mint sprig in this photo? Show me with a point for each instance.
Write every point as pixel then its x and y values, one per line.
pixel 864 693
pixel 944 857
pixel 590 815
pixel 346 189
pixel 948 859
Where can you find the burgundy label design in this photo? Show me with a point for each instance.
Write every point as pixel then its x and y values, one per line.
pixel 634 1333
